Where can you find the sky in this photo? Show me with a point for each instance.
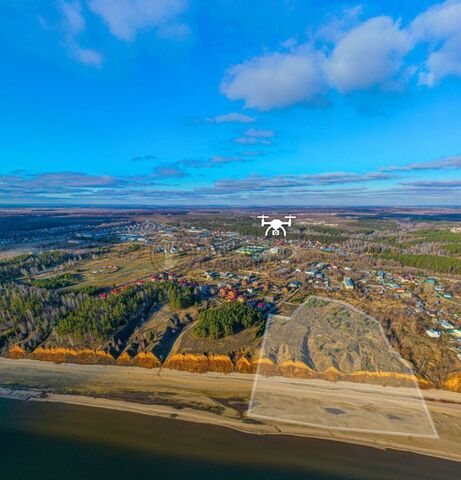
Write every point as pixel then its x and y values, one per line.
pixel 230 102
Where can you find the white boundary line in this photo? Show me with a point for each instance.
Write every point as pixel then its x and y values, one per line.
pixel 391 350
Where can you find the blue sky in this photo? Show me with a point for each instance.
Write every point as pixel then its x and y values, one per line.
pixel 230 102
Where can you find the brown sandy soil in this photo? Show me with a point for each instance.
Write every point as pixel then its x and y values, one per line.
pixel 212 398
pixel 151 343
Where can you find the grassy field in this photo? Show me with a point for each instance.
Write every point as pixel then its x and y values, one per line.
pixel 130 267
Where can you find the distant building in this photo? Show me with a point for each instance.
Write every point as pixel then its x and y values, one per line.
pixel 348 283
pixel 455 332
pixel 433 333
pixel 129 237
pixel 446 324
pixel 250 250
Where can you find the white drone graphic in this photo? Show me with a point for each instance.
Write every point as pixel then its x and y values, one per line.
pixel 276 225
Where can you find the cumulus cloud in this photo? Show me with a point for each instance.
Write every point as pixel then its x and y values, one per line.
pixel 443 63
pixel 75 24
pixel 438 22
pixel 440 26
pixel 347 54
pixel 369 54
pixel 275 80
pixel 337 25
pixel 125 18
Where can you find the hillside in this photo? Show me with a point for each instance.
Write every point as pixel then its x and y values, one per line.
pixel 329 339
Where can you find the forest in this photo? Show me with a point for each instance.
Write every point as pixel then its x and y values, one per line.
pixel 433 263
pixel 26 265
pixel 226 319
pixel 29 314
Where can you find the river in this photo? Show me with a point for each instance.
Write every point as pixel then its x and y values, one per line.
pixel 66 442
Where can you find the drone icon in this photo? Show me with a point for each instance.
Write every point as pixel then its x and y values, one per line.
pixel 276 225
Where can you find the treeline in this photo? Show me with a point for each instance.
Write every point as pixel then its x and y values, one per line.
pixel 181 297
pixel 29 314
pixel 370 225
pixel 59 281
pixel 326 239
pixel 26 265
pixel 433 263
pixel 452 248
pixel 433 235
pixel 95 318
pixel 226 319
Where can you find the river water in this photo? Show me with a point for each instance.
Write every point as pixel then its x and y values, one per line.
pixel 67 442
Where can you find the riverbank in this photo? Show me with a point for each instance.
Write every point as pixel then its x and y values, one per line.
pixel 217 399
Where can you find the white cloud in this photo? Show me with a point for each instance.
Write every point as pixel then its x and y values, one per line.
pixel 351 55
pixel 73 17
pixel 369 54
pixel 252 141
pixel 338 25
pixel 441 164
pixel 125 18
pixel 256 137
pixel 441 27
pixel 232 117
pixel 252 132
pixel 365 55
pixel 88 56
pixel 443 63
pixel 220 160
pixel 275 80
pixel 74 25
pixel 438 22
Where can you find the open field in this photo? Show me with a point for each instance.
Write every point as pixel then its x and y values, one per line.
pixel 130 267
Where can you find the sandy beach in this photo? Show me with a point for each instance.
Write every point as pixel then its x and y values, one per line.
pixel 222 400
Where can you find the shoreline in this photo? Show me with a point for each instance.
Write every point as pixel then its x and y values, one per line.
pixel 436 400
pixel 199 418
